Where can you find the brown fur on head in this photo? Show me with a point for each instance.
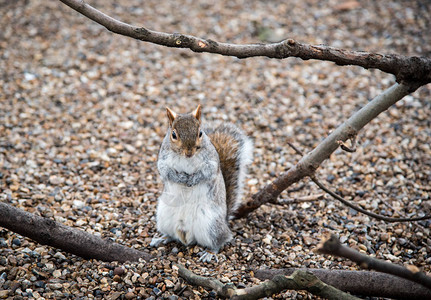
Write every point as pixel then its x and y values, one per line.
pixel 185 131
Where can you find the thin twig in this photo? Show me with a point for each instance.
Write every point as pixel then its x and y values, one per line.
pixel 371 214
pixel 291 145
pixel 309 198
pixel 333 246
pixel 364 211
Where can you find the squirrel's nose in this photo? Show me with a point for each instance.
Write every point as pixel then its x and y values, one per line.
pixel 189 153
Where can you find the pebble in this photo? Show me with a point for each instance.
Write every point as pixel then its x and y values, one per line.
pixel 56 273
pixel 384 237
pixel 130 295
pixel 4 294
pixel 119 271
pixel 169 284
pixel 157 291
pixel 115 295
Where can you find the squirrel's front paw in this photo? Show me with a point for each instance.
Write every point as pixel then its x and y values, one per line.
pixel 156 241
pixel 207 256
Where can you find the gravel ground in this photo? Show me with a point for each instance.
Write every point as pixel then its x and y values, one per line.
pixel 82 117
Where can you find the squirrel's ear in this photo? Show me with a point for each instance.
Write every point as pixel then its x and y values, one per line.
pixel 171 115
pixel 197 113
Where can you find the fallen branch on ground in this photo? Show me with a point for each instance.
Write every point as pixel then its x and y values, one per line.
pixel 299 280
pixel 361 283
pixel 333 246
pixel 403 67
pixel 48 232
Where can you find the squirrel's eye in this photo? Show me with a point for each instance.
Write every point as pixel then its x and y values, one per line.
pixel 174 135
pixel 200 133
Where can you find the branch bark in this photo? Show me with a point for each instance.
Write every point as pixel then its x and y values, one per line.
pixel 409 69
pixel 48 232
pixel 333 246
pixel 299 280
pixel 361 283
pixel 311 161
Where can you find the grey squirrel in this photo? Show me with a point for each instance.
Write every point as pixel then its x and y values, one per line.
pixel 203 172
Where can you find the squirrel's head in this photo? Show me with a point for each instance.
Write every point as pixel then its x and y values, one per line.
pixel 185 131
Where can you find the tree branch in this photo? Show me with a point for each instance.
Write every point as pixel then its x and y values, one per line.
pixel 409 69
pixel 310 162
pixel 48 232
pixel 299 280
pixel 363 283
pixel 333 246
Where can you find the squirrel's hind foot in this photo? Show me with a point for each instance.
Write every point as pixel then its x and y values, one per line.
pixel 164 239
pixel 207 256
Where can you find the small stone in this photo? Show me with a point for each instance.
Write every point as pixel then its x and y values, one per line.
pixel 169 284
pixel 56 273
pixel 78 203
pixel 157 291
pixel 384 237
pixel 362 247
pixel 119 271
pixel 126 124
pixel 39 284
pixel 117 278
pixel 60 255
pixel 4 294
pixel 54 286
pixel 130 295
pixel 115 295
pixel 12 260
pixel 267 239
pixel 55 180
pixel 130 148
pixel 16 242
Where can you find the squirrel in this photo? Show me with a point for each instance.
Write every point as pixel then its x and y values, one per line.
pixel 203 172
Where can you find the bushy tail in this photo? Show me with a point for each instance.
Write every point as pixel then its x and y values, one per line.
pixel 235 151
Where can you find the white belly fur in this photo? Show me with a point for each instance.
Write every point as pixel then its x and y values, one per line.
pixel 184 213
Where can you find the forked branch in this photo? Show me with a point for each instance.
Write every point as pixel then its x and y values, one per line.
pixel 299 280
